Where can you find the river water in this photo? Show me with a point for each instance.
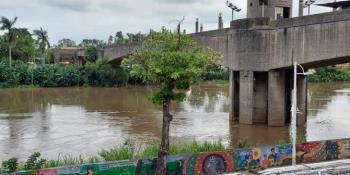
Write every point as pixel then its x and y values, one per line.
pixel 82 121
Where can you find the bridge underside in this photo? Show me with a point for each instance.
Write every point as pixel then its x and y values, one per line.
pixel 264 97
pixel 260 54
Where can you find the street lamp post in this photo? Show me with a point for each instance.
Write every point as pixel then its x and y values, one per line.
pixel 294 108
pixel 308 4
pixel 233 8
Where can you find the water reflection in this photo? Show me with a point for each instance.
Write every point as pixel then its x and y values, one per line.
pixel 84 120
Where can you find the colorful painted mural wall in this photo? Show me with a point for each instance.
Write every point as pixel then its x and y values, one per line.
pixel 214 162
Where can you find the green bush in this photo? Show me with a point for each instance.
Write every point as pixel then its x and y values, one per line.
pixel 9 166
pixel 103 74
pixel 327 74
pixel 34 162
pixel 216 72
pixel 100 73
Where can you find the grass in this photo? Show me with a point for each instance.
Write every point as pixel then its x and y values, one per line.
pixel 129 150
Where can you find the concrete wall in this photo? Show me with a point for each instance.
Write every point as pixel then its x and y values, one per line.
pixel 215 162
pixel 263 45
pixel 117 52
pixel 255 10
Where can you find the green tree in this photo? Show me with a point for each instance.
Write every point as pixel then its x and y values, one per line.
pixel 65 42
pixel 110 40
pixel 92 42
pixel 91 53
pixel 175 62
pixel 7 24
pixel 24 48
pixel 42 41
pixel 119 37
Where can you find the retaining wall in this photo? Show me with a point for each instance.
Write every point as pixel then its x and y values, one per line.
pixel 214 162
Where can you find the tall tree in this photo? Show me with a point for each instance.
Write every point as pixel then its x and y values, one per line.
pixel 110 40
pixel 65 42
pixel 42 41
pixel 92 42
pixel 119 37
pixel 175 62
pixel 7 24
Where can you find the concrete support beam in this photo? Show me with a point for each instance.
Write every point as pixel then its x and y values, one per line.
pixel 246 97
pixel 277 98
pixel 260 97
pixel 302 100
pixel 234 95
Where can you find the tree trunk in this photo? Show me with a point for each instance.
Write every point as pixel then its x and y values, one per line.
pixel 10 55
pixel 164 147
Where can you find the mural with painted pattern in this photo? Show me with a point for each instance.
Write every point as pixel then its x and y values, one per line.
pixel 213 162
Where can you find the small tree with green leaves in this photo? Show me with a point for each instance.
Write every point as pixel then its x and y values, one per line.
pixel 175 62
pixel 9 166
pixel 7 24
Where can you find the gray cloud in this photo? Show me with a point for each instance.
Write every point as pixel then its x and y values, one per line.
pixel 75 5
pixel 79 19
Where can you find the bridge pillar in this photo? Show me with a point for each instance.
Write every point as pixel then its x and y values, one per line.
pixel 277 98
pixel 234 95
pixel 302 100
pixel 246 97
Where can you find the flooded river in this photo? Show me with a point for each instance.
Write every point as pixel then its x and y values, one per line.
pixel 82 121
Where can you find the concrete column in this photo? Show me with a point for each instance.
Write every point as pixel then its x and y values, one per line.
pixel 301 8
pixel 246 97
pixel 234 95
pixel 260 97
pixel 277 98
pixel 302 100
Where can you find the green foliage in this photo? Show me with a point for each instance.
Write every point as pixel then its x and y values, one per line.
pixel 34 162
pixel 15 75
pixel 125 151
pixel 23 49
pixel 174 61
pixel 9 166
pixel 103 74
pixel 65 42
pixel 56 76
pixel 49 75
pixel 330 73
pixel 92 42
pixel 244 143
pixel 91 53
pixel 216 72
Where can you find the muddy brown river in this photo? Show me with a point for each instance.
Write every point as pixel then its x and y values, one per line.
pixel 82 121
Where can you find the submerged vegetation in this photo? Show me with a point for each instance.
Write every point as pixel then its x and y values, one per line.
pixel 127 151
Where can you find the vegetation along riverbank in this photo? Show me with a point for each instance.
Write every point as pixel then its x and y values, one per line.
pixel 129 150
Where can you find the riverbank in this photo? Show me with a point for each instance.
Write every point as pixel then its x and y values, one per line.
pixel 129 150
pixel 95 74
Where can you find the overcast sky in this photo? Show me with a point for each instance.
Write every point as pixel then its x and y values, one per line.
pixel 79 19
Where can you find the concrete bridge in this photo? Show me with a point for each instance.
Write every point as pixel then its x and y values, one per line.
pixel 260 53
pixel 116 52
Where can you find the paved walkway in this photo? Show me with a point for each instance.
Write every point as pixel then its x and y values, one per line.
pixel 341 167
